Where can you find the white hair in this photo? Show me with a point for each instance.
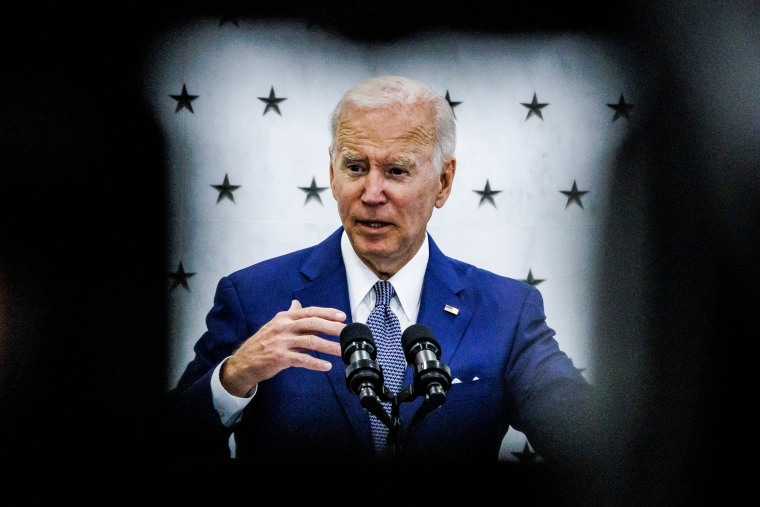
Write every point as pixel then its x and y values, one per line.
pixel 383 91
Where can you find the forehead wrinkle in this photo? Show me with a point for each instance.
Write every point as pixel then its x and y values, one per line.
pixel 419 136
pixel 354 141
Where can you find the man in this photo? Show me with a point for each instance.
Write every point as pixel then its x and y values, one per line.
pixel 269 366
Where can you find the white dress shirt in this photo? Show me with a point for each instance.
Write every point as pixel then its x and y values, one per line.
pixel 407 283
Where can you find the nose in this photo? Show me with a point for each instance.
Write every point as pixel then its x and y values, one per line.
pixel 374 188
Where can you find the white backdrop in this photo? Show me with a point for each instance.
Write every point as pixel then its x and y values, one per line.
pixel 530 228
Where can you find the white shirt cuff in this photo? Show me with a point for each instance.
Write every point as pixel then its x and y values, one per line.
pixel 228 406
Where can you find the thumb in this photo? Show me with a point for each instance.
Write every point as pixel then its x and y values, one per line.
pixel 295 305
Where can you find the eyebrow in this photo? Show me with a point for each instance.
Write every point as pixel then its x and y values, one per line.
pixel 399 162
pixel 349 157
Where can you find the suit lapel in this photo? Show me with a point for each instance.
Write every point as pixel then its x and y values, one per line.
pixel 327 286
pixel 444 307
pixel 442 288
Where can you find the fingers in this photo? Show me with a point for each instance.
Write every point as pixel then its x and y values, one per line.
pixel 315 325
pixel 315 311
pixel 285 341
pixel 317 344
pixel 310 362
pixel 312 320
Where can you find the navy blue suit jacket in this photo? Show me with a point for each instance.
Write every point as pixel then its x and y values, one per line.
pixel 508 367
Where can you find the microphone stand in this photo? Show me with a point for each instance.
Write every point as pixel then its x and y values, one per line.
pixel 434 398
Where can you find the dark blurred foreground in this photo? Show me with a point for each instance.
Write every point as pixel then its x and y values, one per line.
pixel 83 339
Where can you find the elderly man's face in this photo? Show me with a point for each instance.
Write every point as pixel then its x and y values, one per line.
pixel 383 179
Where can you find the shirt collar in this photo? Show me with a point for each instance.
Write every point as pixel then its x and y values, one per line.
pixel 407 281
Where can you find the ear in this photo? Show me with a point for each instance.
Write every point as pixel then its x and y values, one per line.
pixel 446 180
pixel 332 174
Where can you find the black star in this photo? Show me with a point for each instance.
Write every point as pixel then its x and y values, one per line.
pixel 621 109
pixel 534 107
pixel 230 19
pixel 312 192
pixel 451 103
pixel 527 456
pixel 180 277
pixel 225 190
pixel 531 280
pixel 272 102
pixel 574 195
pixel 184 100
pixel 487 194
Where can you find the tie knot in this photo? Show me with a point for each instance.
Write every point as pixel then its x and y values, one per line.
pixel 384 292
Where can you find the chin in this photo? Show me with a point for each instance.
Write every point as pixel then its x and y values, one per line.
pixel 374 250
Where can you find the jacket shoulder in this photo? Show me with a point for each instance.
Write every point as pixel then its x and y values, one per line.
pixel 292 265
pixel 486 279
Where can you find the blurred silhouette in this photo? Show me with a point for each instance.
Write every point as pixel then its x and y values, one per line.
pixel 679 281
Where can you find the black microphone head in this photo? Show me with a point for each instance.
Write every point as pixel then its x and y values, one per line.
pixel 417 334
pixel 352 334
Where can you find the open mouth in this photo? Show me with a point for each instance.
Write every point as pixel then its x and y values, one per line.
pixel 374 225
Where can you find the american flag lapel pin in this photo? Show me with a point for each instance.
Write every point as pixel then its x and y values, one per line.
pixel 451 309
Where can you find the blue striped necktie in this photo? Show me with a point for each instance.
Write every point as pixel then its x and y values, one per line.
pixel 386 331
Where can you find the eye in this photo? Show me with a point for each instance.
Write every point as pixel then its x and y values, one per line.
pixel 397 171
pixel 354 168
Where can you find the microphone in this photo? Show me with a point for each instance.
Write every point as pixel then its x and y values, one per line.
pixel 363 374
pixel 431 377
